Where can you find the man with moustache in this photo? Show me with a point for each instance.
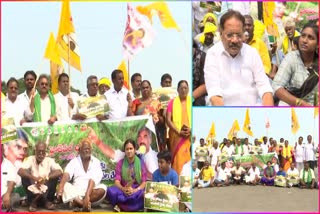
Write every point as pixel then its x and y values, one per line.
pixel 234 73
pixel 29 81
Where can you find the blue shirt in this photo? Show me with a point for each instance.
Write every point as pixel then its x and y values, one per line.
pixel 283 173
pixel 172 177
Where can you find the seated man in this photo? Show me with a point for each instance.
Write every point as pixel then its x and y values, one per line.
pixel 206 176
pixel 224 175
pixel 165 173
pixel 281 178
pixel 8 179
pixel 307 178
pixel 238 173
pixel 253 176
pixel 293 176
pixel 195 174
pixel 86 172
pixel 39 177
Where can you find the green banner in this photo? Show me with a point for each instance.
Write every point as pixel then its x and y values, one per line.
pixel 246 160
pixel 161 196
pixel 62 139
pixel 8 130
pixel 93 106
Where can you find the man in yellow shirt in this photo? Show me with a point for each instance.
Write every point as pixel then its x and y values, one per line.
pixel 257 43
pixel 206 176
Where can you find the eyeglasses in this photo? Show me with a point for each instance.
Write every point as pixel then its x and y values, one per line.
pixel 231 35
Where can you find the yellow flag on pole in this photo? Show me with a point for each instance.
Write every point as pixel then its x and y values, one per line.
pixel 125 72
pixel 294 122
pixel 162 10
pixel 246 125
pixel 212 132
pixel 67 43
pixel 234 129
pixel 52 52
pixel 316 112
pixel 55 71
pixel 268 8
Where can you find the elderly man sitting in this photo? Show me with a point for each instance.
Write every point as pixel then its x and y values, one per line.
pixel 39 177
pixel 86 172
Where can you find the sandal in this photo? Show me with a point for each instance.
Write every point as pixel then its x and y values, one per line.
pixel 88 209
pixel 32 208
pixel 116 208
pixel 50 206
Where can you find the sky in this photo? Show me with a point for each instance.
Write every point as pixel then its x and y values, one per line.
pixel 279 118
pixel 99 27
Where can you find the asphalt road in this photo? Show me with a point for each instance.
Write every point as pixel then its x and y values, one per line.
pixel 259 198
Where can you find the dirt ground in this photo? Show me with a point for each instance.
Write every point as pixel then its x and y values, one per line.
pixel 259 198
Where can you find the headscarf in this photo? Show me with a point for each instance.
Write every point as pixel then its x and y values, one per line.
pixel 204 20
pixel 208 28
pixel 105 81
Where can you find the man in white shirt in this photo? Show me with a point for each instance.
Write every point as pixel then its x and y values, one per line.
pixel 8 179
pixel 40 177
pixel 264 145
pixel 293 178
pixel 65 99
pixel 16 107
pixel 136 85
pixel 228 148
pixel 224 175
pixel 201 154
pixel 298 153
pixel 253 176
pixel 234 72
pixel 214 155
pixel 42 103
pixel 86 172
pixel 246 147
pixel 118 97
pixel 92 91
pixel 29 81
pixel 309 152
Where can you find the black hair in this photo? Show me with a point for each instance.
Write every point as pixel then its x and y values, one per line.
pixel 166 76
pixel 165 155
pixel 133 77
pixel 132 142
pixel 12 79
pixel 231 14
pixel 114 73
pixel 182 81
pixel 63 75
pixel 31 72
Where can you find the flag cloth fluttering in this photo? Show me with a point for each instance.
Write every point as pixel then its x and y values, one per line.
pixel 138 33
pixel 125 72
pixel 294 122
pixel 56 65
pixel 246 125
pixel 234 129
pixel 162 10
pixel 66 35
pixel 212 133
pixel 316 112
pixel 267 123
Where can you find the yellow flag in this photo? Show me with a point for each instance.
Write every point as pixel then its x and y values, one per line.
pixel 66 35
pixel 52 52
pixel 55 71
pixel 294 122
pixel 234 129
pixel 125 72
pixel 246 125
pixel 212 133
pixel 316 112
pixel 162 10
pixel 268 8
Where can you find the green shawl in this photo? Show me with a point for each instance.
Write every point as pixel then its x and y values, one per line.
pixel 125 170
pixel 37 106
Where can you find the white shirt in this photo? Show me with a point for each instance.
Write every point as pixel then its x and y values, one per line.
pixel 265 148
pixel 240 81
pixel 40 170
pixel 45 109
pixel 253 172
pixel 298 153
pixel 18 110
pixel 25 98
pixel 229 150
pixel 246 149
pixel 80 178
pixel 62 106
pixel 8 173
pixel 196 173
pixel 309 152
pixel 294 172
pixel 223 173
pixel 186 169
pixel 117 102
pixel 215 154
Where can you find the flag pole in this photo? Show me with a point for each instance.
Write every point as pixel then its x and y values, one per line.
pixel 69 96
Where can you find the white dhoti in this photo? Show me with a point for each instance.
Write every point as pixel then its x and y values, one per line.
pixel 250 178
pixel 71 192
